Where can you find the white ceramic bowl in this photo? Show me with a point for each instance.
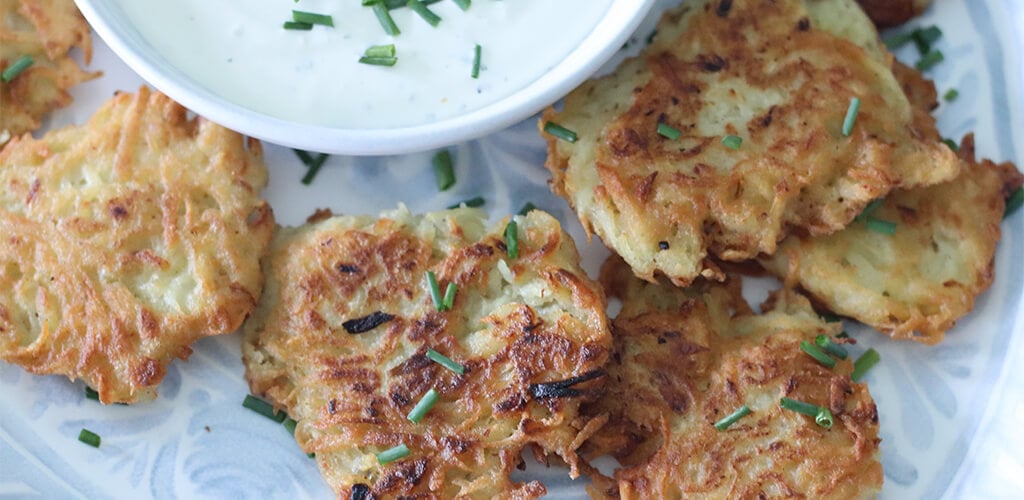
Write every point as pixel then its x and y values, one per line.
pixel 611 32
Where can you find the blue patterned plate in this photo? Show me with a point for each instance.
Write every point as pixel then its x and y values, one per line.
pixel 950 414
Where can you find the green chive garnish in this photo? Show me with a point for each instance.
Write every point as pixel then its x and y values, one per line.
pixel 732 418
pixel 924 38
pixel 830 347
pixel 378 61
pixel 385 20
pixel 475 71
pixel 380 51
pixel 560 132
pixel 821 415
pixel 880 226
pixel 864 363
pixel 426 403
pixel 870 208
pixel 527 207
pixel 476 201
pixel 435 291
pixel 449 296
pixel 445 361
pixel 819 355
pixel 312 18
pixel 732 141
pixel 928 60
pixel 463 4
pixel 15 69
pixel 263 408
pixel 851 116
pixel 424 12
pixel 512 239
pixel 292 25
pixel 668 131
pixel 952 144
pixel 443 171
pixel 951 95
pixel 289 424
pixel 313 164
pixel 90 438
pixel 1013 202
pixel 398 452
pixel 832 318
pixel 311 455
pixel 897 41
pixel 843 335
pixel 91 393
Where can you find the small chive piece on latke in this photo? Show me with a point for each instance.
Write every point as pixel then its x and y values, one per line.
pixel 426 403
pixel 263 408
pixel 821 415
pixel 560 132
pixel 449 295
pixel 16 68
pixel 952 144
pixel 732 141
pixel 390 455
pixel 445 361
pixel 830 347
pixel 1014 201
pixel 512 239
pixel 668 131
pixel 818 355
pixel 851 116
pixel 91 393
pixel 864 363
pixel 435 291
pixel 880 226
pixel 730 419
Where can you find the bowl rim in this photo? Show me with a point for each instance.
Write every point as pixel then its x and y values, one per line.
pixel 619 22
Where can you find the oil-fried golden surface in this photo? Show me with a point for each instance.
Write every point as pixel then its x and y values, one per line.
pixel 916 283
pixel 778 74
pixel 685 358
pixel 45 30
pixel 887 13
pixel 515 323
pixel 124 240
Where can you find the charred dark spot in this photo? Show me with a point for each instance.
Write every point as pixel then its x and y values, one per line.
pixel 724 6
pixel 767 119
pixel 663 245
pixel 675 101
pixel 712 63
pixel 332 406
pixel 367 323
pixel 563 388
pixel 513 403
pixel 661 340
pixel 400 399
pixel 803 24
pixel 454 446
pixel 360 492
pixel 347 268
pixel 409 473
pixel 118 212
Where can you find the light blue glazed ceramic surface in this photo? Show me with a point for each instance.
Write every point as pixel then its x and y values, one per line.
pixel 951 415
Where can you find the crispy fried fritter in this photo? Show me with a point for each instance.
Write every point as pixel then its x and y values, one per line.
pixel 780 75
pixel 917 282
pixel 518 326
pixel 888 13
pixel 686 358
pixel 45 30
pixel 125 240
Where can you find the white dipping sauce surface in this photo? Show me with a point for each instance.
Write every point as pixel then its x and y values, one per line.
pixel 239 50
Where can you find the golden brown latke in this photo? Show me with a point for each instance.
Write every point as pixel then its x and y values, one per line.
pixel 780 75
pixel 45 30
pixel 125 240
pixel 917 282
pixel 888 13
pixel 531 333
pixel 685 358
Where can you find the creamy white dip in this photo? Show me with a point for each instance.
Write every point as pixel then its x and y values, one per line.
pixel 239 50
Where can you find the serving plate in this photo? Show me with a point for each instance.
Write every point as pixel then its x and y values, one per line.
pixel 950 414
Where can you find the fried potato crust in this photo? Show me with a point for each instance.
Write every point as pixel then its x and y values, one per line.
pixel 516 325
pixel 780 75
pixel 917 282
pixel 888 13
pixel 685 358
pixel 125 240
pixel 45 30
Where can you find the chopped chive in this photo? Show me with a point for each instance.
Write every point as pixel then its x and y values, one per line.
pixel 387 456
pixel 864 363
pixel 475 71
pixel 870 208
pixel 843 335
pixel 292 25
pixel 951 95
pixel 385 20
pixel 851 116
pixel 89 437
pixel 928 60
pixel 560 132
pixel 669 132
pixel 897 41
pixel 831 347
pixel 311 455
pixel 732 141
pixel 829 317
pixel 263 408
pixel 16 68
pixel 380 51
pixel 426 403
pixel 289 424
pixel 924 38
pixel 527 208
pixel 91 393
pixel 444 174
pixel 512 239
pixel 952 144
pixel 435 291
pixel 476 201
pixel 819 355
pixel 732 418
pixel 424 12
pixel 445 361
pixel 463 4
pixel 313 164
pixel 449 296
pixel 824 418
pixel 378 61
pixel 1013 202
pixel 880 226
pixel 312 18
